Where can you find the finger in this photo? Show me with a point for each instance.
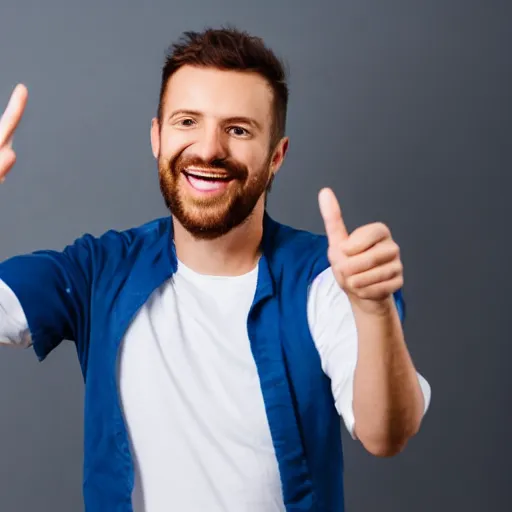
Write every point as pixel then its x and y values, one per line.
pixel 380 274
pixel 381 291
pixel 331 214
pixel 13 113
pixel 365 237
pixel 7 160
pixel 381 253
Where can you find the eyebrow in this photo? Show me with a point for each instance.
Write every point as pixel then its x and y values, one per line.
pixel 235 119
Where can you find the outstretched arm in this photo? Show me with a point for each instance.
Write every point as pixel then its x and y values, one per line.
pixel 51 288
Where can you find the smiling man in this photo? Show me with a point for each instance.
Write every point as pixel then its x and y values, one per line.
pixel 221 350
pixel 214 144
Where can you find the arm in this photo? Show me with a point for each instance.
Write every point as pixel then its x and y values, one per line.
pixel 388 403
pixel 14 329
pixel 51 288
pixel 388 400
pixel 342 351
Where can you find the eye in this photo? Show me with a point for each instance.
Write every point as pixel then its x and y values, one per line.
pixel 186 122
pixel 238 131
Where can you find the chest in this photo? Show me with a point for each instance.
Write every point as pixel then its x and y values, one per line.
pixel 186 365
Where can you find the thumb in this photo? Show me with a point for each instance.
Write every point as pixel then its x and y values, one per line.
pixel 331 213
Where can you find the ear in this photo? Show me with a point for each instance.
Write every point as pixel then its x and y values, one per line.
pixel 155 137
pixel 279 154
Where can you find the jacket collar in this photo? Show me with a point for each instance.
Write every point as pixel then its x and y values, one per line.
pixel 166 260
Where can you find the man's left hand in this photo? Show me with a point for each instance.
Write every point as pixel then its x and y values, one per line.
pixel 366 263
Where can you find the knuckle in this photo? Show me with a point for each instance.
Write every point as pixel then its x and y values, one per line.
pixel 346 268
pixel 338 269
pixel 391 273
pixel 373 261
pixel 351 282
pixel 382 228
pixel 394 270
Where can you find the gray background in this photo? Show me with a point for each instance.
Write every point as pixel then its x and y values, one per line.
pixel 403 107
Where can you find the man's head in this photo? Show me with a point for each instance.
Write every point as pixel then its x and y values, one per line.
pixel 219 134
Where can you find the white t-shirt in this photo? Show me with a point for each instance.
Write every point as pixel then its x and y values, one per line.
pixel 191 395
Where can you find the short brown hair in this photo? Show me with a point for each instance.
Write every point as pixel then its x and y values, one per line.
pixel 230 49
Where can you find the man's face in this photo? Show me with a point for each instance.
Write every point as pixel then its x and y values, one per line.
pixel 213 148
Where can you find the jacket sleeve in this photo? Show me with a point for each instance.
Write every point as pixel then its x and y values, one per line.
pixel 54 291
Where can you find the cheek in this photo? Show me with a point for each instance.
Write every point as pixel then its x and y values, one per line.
pixel 259 166
pixel 254 157
pixel 171 144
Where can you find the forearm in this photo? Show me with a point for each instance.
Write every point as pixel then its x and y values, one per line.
pixel 388 401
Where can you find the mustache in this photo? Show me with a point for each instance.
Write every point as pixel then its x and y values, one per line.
pixel 233 169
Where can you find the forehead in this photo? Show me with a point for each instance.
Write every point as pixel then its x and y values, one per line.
pixel 219 93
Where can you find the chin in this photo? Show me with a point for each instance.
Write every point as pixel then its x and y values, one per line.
pixel 204 222
pixel 208 218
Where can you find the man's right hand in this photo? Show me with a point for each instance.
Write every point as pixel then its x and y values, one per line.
pixel 8 124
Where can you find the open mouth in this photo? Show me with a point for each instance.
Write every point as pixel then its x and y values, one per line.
pixel 207 176
pixel 207 181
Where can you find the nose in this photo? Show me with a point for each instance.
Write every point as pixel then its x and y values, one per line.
pixel 211 144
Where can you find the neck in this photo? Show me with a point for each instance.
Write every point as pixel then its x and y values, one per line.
pixel 232 254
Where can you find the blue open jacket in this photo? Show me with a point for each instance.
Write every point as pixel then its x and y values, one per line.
pixel 91 291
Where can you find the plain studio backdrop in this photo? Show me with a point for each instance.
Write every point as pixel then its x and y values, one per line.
pixel 403 107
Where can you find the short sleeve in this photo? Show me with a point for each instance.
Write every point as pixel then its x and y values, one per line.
pixel 334 333
pixel 333 328
pixel 53 289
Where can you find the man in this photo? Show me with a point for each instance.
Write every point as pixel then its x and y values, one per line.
pixel 219 348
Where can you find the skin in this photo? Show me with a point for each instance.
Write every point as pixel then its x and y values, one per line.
pixel 388 402
pixel 8 124
pixel 215 132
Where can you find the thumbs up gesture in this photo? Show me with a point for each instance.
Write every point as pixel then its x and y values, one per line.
pixel 366 263
pixel 8 123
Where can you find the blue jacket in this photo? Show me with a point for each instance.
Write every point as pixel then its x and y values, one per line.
pixel 90 292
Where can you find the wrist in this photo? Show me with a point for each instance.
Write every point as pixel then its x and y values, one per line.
pixel 377 308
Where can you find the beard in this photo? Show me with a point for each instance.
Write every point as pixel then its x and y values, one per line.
pixel 208 218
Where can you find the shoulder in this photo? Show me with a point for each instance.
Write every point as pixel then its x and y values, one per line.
pixel 112 249
pixel 125 240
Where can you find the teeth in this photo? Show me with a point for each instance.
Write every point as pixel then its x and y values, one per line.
pixel 207 175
